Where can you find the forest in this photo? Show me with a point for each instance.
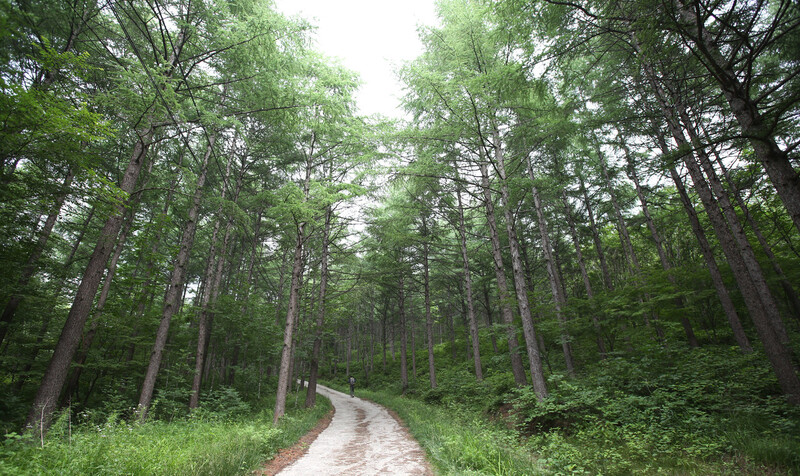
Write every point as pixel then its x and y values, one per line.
pixel 578 253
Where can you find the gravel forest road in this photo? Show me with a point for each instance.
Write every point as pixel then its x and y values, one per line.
pixel 362 439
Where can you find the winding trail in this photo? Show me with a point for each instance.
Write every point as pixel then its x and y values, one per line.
pixel 362 439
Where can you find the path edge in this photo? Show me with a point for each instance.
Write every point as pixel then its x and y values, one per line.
pixel 287 456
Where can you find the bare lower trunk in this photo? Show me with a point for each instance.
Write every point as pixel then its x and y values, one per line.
pixel 758 130
pixel 403 340
pixel 778 354
pixel 292 313
pixel 288 333
pixel 311 393
pixel 213 278
pixel 48 316
pixel 173 295
pixel 96 318
pixel 752 265
pixel 489 319
pixel 553 277
pixel 428 316
pixel 711 263
pixel 520 285
pixel 473 325
pixel 788 289
pixel 598 244
pixel 502 286
pixel 687 326
pixel 53 380
pixel 601 345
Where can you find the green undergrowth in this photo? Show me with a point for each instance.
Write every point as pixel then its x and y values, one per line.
pixel 211 441
pixel 700 411
pixel 708 411
pixel 458 440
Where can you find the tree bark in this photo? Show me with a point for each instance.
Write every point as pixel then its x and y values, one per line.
pixel 587 284
pixel 745 109
pixel 428 317
pixel 598 244
pixel 22 376
pixel 473 325
pixel 779 356
pixel 531 343
pixel 174 293
pixel 403 339
pixel 294 300
pixel 752 265
pixel 47 395
pixel 311 393
pixel 788 289
pixel 213 276
pixel 662 256
pixel 97 315
pixel 502 286
pixel 553 277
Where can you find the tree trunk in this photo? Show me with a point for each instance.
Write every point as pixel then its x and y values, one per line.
pixel 752 265
pixel 403 362
pixel 473 325
pixel 384 329
pixel 54 377
pixel 687 325
pixel 502 286
pixel 598 244
pixel 311 393
pixel 428 317
pixel 173 294
pixel 213 277
pixel 601 345
pixel 778 354
pixel 86 343
pixel 754 126
pixel 788 289
pixel 489 319
pixel 625 237
pixel 552 275
pixel 22 376
pixel 711 263
pixel 531 343
pixel 294 301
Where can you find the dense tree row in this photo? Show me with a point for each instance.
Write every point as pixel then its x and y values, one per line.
pixel 616 173
pixel 165 168
pixel 181 186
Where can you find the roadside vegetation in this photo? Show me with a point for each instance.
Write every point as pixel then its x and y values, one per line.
pixel 663 411
pixel 224 436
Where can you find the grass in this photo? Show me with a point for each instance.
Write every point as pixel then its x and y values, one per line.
pixel 710 411
pixel 205 445
pixel 458 440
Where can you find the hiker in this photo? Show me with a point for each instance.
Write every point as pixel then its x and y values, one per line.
pixel 352 381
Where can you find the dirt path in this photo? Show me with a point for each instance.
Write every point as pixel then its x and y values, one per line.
pixel 362 439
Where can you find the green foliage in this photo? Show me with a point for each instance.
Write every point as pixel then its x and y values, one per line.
pixel 460 440
pixel 668 410
pixel 217 444
pixel 222 402
pixel 671 410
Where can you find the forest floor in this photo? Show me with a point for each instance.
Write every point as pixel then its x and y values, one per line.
pixel 361 438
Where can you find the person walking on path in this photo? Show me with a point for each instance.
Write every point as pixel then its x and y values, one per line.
pixel 352 382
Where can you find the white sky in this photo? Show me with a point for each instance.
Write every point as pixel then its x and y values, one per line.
pixel 371 37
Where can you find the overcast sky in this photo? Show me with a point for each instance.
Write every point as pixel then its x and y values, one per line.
pixel 371 37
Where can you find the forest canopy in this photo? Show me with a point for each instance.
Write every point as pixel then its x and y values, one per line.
pixel 191 204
